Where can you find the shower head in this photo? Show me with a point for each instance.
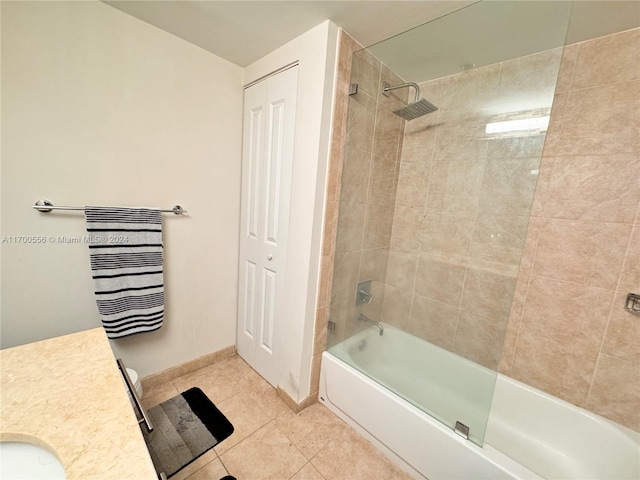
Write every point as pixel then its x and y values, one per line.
pixel 415 109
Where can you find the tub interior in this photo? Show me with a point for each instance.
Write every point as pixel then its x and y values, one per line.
pixel 444 385
pixel 529 434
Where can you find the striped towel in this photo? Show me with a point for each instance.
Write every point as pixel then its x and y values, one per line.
pixel 125 249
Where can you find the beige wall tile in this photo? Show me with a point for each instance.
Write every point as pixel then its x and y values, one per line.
pixel 401 270
pixel 355 176
pixel 350 227
pixel 383 181
pixel 567 65
pixel 418 144
pixel 346 46
pixel 554 130
pixel 413 184
pixel 445 234
pixel 622 339
pixel 514 322
pixel 407 224
pixel 326 277
pixel 607 60
pixel 566 311
pixel 387 132
pixel 396 98
pixel 377 226
pixel 471 88
pixel 432 91
pixel 562 328
pixel 339 119
pixel 361 116
pixel 487 294
pixel 583 252
pixel 542 186
pixel 527 83
pixel 440 281
pixel 556 367
pixel 330 228
pixel 345 277
pixel 615 393
pixel 480 339
pixel 612 127
pixel 365 71
pixel 434 322
pixel 630 277
pixel 516 147
pixel 396 308
pixel 499 238
pixel 530 246
pixel 373 264
pixel 320 334
pixel 461 129
pixel 508 185
pixel 603 188
pixel 334 173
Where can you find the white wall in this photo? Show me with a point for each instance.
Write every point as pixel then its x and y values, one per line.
pixel 101 108
pixel 315 51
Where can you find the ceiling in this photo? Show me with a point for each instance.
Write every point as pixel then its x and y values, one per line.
pixel 243 31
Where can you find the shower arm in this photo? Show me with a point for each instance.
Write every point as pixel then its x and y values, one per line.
pixel 387 87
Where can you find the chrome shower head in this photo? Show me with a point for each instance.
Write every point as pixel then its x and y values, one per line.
pixel 415 109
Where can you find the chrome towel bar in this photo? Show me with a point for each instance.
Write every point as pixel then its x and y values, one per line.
pixel 46 206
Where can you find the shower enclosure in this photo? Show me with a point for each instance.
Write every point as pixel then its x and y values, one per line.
pixel 438 182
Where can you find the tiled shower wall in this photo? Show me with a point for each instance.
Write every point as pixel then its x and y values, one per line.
pixel 568 333
pixel 462 206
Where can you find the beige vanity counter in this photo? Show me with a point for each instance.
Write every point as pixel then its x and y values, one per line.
pixel 66 394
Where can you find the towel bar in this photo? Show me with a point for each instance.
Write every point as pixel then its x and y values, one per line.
pixel 46 206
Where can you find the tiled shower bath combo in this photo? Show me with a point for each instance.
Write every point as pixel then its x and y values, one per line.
pixel 507 250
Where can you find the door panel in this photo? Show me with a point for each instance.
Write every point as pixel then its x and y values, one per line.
pixel 267 165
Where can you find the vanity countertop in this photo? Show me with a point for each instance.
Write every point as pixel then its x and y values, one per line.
pixel 66 394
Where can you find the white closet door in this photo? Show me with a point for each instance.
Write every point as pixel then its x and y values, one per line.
pixel 267 164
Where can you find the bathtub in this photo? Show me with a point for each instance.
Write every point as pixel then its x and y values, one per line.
pixel 529 434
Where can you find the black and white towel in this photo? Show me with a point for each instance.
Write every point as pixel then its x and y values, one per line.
pixel 125 249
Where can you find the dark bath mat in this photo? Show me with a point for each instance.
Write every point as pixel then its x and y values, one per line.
pixel 184 428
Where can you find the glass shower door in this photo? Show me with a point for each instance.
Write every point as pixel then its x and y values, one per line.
pixel 434 207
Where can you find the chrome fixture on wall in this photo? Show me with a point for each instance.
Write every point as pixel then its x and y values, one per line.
pixel 633 303
pixel 415 109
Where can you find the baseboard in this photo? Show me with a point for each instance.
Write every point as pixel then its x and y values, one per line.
pixel 187 367
pixel 292 404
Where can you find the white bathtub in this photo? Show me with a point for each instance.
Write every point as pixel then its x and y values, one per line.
pixel 529 434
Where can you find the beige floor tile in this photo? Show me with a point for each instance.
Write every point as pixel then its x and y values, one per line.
pixel 156 394
pixel 308 472
pixel 220 380
pixel 211 471
pixel 246 416
pixel 349 456
pixel 311 429
pixel 261 392
pixel 199 463
pixel 266 455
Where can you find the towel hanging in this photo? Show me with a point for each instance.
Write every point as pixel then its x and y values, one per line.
pixel 125 250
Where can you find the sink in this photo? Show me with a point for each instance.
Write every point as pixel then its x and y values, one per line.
pixel 24 461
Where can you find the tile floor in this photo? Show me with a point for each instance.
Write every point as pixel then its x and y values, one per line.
pixel 270 442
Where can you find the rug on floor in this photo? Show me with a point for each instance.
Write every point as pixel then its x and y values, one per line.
pixel 184 428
